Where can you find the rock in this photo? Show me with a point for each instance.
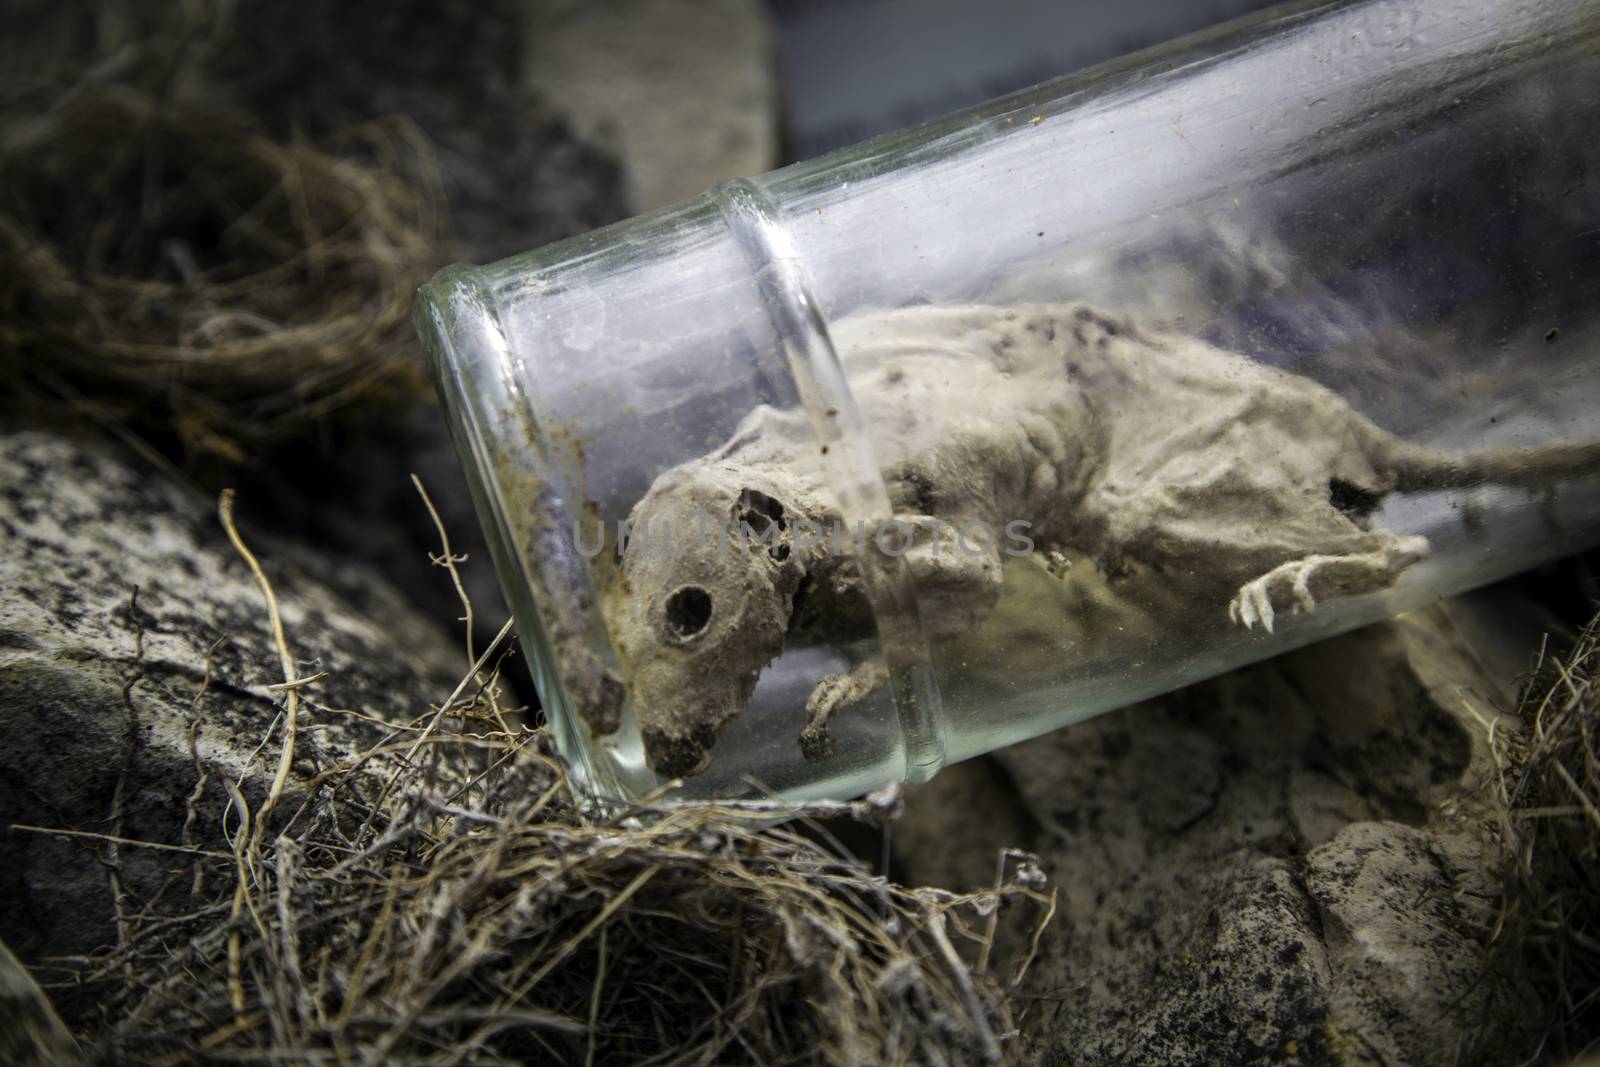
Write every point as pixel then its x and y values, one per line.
pixel 31 1033
pixel 683 92
pixel 959 854
pixel 1243 978
pixel 514 174
pixel 351 495
pixel 128 622
pixel 1283 864
pixel 1403 915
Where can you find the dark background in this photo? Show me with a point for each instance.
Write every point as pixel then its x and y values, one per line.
pixel 851 69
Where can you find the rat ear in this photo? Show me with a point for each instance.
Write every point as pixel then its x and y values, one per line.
pixel 760 512
pixel 764 520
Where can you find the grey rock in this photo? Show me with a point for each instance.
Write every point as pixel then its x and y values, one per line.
pixel 1403 915
pixel 514 174
pixel 682 92
pixel 119 586
pixel 354 500
pixel 31 1033
pixel 1281 865
pixel 1242 978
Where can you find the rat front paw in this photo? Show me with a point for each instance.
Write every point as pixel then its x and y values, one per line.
pixel 1284 587
pixel 833 692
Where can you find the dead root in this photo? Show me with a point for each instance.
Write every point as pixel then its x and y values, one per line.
pixel 442 899
pixel 491 923
pixel 171 266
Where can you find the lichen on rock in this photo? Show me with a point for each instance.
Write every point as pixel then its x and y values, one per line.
pixel 137 673
pixel 1286 864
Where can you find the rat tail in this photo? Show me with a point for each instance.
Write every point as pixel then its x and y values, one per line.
pixel 1420 468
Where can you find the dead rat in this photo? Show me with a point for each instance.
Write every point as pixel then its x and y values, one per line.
pixel 1253 485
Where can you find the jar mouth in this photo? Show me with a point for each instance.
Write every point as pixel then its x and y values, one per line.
pixel 538 460
pixel 521 499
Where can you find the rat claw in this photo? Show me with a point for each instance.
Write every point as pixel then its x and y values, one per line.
pixel 1242 608
pixel 1264 606
pixel 1252 605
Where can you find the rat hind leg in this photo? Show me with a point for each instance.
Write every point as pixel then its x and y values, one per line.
pixel 1300 583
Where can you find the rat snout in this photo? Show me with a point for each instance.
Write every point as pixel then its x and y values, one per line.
pixel 681 706
pixel 678 755
pixel 703 613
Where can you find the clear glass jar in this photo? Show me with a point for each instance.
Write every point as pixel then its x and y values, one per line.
pixel 979 429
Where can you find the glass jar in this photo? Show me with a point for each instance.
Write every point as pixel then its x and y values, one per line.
pixel 830 477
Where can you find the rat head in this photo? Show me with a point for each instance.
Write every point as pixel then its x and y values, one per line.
pixel 709 578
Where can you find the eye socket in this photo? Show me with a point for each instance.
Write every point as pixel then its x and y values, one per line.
pixel 687 612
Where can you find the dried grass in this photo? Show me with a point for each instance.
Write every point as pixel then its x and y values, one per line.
pixel 177 268
pixel 441 899
pixel 493 924
pixel 1549 792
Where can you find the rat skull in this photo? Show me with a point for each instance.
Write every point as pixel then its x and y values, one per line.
pixel 708 582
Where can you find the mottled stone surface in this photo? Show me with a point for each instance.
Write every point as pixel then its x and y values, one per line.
pixel 31 1033
pixel 1284 864
pixel 118 586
